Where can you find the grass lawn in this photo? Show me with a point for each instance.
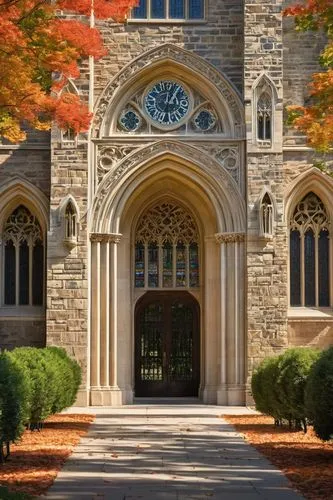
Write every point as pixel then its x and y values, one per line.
pixel 37 458
pixel 305 460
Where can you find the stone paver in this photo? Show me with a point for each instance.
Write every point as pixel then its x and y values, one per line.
pixel 167 452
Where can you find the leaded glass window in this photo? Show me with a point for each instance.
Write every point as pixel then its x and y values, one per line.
pixel 309 254
pixel 264 117
pixel 169 9
pixel 166 248
pixel 266 216
pixel 23 259
pixel 70 221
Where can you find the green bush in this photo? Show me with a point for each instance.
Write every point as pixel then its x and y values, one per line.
pixel 264 388
pixel 69 377
pixel 13 401
pixel 294 367
pixel 319 395
pixel 40 374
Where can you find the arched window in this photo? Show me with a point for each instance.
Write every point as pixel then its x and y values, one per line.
pixel 166 248
pixel 309 254
pixel 264 117
pixel 266 216
pixel 169 9
pixel 23 259
pixel 70 222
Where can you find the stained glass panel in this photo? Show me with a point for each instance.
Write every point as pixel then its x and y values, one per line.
pixel 176 9
pixel 167 265
pixel 194 265
pixel 309 268
pixel 323 262
pixel 24 274
pixel 295 268
pixel 153 266
pixel 157 9
pixel 181 265
pixel 37 274
pixel 140 12
pixel 10 275
pixel 139 265
pixel 196 9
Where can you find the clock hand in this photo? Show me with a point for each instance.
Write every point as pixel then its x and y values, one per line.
pixel 173 96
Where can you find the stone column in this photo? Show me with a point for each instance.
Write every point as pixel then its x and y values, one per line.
pixel 104 388
pixel 232 327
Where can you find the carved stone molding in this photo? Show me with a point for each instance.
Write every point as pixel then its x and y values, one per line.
pixel 105 237
pixel 230 237
pixel 109 156
pixel 145 154
pixel 227 156
pixel 173 53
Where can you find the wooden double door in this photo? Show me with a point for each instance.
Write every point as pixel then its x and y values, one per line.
pixel 167 345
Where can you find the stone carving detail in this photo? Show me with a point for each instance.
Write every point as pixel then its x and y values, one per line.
pixel 310 213
pixel 230 237
pixel 167 223
pixel 109 156
pixel 152 151
pixel 227 156
pixel 22 226
pixel 168 52
pixel 105 237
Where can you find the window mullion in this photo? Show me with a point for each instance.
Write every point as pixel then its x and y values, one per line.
pixel 186 9
pixel 174 265
pixel 167 8
pixel 187 264
pixel 31 249
pixel 302 271
pixel 160 265
pixel 17 274
pixel 146 265
pixel 148 9
pixel 316 236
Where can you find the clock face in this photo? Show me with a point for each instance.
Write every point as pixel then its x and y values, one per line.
pixel 167 103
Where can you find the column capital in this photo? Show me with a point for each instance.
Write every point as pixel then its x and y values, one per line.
pixel 229 237
pixel 105 237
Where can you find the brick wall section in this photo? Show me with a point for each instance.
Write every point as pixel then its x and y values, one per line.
pixel 31 162
pixel 219 41
pixel 266 260
pixel 67 280
pixel 20 332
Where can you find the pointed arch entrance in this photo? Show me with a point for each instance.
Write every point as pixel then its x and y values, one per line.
pixel 167 345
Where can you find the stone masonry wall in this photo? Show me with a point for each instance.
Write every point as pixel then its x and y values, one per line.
pixel 67 279
pixel 29 161
pixel 266 259
pixel 219 41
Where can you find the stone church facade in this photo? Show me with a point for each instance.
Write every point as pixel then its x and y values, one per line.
pixel 187 236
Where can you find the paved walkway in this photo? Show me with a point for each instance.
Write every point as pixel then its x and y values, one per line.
pixel 177 452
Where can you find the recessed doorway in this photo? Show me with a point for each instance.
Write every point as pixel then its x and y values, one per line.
pixel 167 345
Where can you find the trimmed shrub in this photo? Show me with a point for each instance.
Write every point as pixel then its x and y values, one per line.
pixel 13 401
pixel 40 375
pixel 68 377
pixel 319 395
pixel 294 367
pixel 264 388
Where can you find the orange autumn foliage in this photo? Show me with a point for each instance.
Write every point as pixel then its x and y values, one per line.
pixel 39 52
pixel 316 119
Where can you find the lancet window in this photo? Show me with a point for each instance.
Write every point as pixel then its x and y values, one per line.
pixel 166 248
pixel 309 254
pixel 264 117
pixel 70 222
pixel 169 9
pixel 23 259
pixel 266 216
